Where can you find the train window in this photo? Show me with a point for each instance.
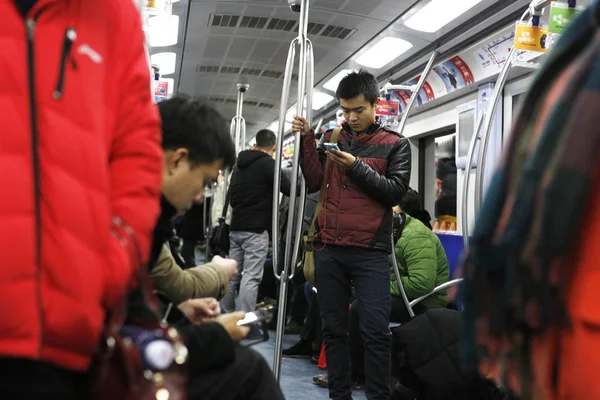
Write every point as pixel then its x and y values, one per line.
pixel 445 182
pixel 465 129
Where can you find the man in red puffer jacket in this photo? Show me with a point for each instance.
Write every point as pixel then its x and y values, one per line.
pixel 368 174
pixel 80 146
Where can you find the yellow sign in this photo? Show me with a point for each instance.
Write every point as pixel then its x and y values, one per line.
pixel 531 38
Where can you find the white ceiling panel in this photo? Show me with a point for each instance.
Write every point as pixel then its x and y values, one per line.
pixel 232 41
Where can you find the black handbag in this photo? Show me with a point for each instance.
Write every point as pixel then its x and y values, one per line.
pixel 219 238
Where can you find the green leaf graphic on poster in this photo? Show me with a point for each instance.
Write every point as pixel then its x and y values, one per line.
pixel 561 15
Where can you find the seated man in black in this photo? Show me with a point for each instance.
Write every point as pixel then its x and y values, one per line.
pixel 197 145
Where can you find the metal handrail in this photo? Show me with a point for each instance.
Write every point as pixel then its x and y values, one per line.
pixel 485 137
pixel 294 231
pixel 465 193
pixel 437 289
pixel 415 93
pixel 411 313
pixel 534 11
pixel 413 97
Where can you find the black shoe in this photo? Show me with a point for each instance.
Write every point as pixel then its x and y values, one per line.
pixel 302 349
pixel 293 328
pixel 314 360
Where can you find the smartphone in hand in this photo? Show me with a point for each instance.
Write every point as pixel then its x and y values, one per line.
pixel 255 317
pixel 331 146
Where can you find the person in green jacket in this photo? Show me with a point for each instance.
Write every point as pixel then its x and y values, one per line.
pixel 423 266
pixel 421 260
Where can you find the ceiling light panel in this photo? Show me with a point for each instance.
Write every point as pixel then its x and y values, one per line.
pixel 164 30
pixel 383 52
pixel 166 62
pixel 438 13
pixel 334 82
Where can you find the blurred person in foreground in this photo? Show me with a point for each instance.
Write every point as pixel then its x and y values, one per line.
pixel 531 298
pixel 75 156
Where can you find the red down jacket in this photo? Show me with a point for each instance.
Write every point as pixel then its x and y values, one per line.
pixel 357 211
pixel 80 144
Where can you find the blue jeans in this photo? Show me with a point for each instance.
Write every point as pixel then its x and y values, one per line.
pixel 368 270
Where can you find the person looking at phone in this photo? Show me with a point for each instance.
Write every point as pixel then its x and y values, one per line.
pixel 251 194
pixel 366 178
pixel 197 144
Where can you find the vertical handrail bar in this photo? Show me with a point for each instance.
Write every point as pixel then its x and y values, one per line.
pixel 285 274
pixel 414 94
pixel 401 127
pixel 465 193
pixel 302 198
pixel 285 92
pixel 411 313
pixel 487 128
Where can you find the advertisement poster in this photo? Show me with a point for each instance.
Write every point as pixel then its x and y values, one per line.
pixel 531 38
pixel 161 91
pixel 388 111
pixel 561 16
pixel 388 108
pixel 455 74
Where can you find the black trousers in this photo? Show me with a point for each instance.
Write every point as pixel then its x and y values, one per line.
pixel 249 377
pixel 399 314
pixel 22 379
pixel 312 330
pixel 369 272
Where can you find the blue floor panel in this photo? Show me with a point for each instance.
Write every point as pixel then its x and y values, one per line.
pixel 296 374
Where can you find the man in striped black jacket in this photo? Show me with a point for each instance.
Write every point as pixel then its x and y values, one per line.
pixel 367 176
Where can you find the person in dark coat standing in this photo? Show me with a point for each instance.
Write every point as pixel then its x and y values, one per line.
pixel 251 192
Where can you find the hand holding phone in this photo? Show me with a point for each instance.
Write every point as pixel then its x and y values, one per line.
pixel 256 317
pixel 331 146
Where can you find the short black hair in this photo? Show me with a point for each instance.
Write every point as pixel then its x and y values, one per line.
pixel 411 202
pixel 265 139
pixel 318 135
pixel 357 83
pixel 199 128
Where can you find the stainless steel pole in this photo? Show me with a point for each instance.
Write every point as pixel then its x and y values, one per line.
pixel 401 127
pixel 487 128
pixel 411 313
pixel 465 193
pixel 289 248
pixel 414 95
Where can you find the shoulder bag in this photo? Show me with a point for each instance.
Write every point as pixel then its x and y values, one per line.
pixel 308 260
pixel 144 358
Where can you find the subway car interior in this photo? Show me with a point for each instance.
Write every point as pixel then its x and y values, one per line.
pixel 451 73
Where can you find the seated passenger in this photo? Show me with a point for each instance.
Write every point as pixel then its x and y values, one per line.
pixel 178 284
pixel 423 266
pixel 197 145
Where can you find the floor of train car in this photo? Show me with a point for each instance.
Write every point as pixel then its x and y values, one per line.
pixel 296 374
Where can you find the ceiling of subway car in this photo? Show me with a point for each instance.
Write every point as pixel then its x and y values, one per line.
pixel 226 42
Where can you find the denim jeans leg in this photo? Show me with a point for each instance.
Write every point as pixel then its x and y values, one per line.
pixel 371 277
pixel 333 286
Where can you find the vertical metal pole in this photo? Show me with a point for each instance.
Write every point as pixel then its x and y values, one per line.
pixel 411 313
pixel 206 229
pixel 414 95
pixel 465 193
pixel 487 128
pixel 287 82
pixel 289 249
